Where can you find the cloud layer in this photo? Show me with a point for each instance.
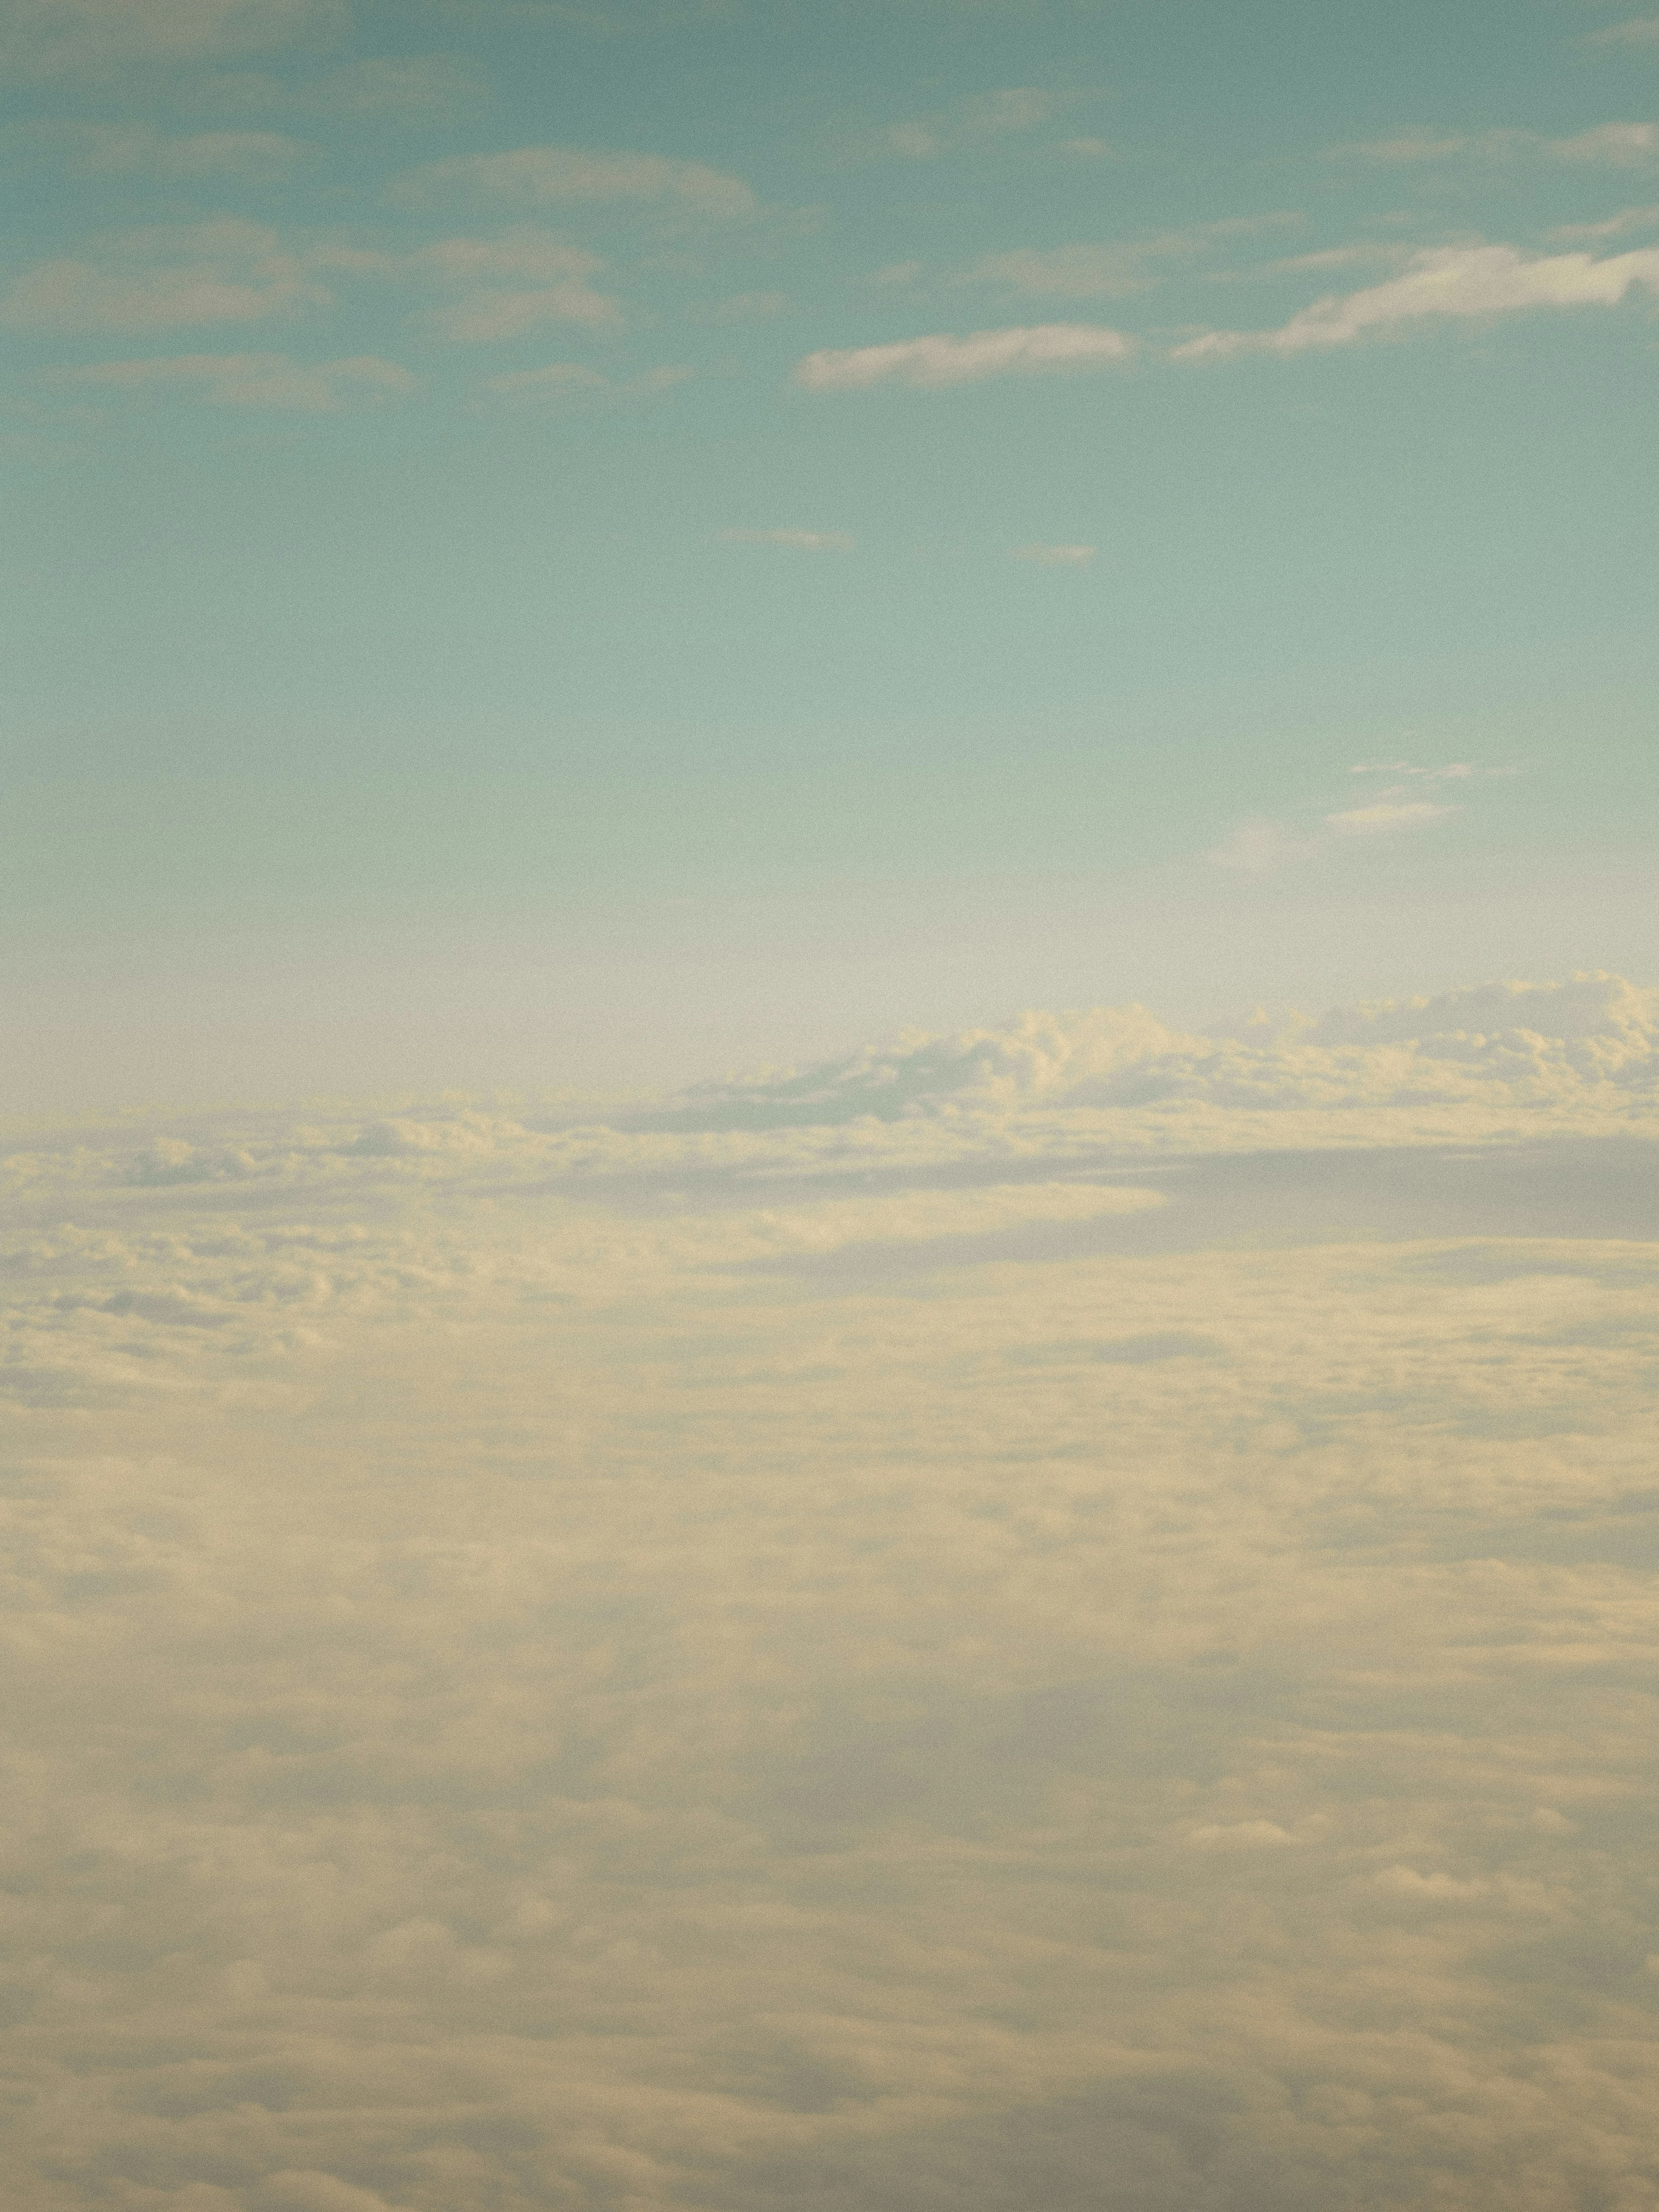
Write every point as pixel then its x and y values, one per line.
pixel 925 1638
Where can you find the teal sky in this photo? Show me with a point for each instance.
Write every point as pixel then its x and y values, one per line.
pixel 553 545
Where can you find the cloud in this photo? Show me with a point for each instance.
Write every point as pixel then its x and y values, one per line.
pixel 251 380
pixel 1618 145
pixel 506 285
pixel 50 38
pixel 121 149
pixel 1642 31
pixel 1087 1613
pixel 561 382
pixel 1621 145
pixel 1109 271
pixel 928 363
pixel 792 541
pixel 1054 557
pixel 1449 282
pixel 973 121
pixel 554 176
pixel 224 270
pixel 1384 816
pixel 1612 226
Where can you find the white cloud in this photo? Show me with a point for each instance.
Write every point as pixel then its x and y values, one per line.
pixel 1449 282
pixel 219 272
pixel 116 150
pixel 1613 226
pixel 1385 816
pixel 561 382
pixel 47 38
pixel 1620 145
pixel 1054 557
pixel 970 122
pixel 792 541
pixel 552 285
pixel 1642 31
pixel 856 1663
pixel 928 363
pixel 1086 271
pixel 251 380
pixel 551 176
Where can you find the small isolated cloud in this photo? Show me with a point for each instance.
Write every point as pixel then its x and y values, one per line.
pixel 928 363
pixel 1054 557
pixel 552 176
pixel 563 382
pixel 970 122
pixel 1453 772
pixel 1089 149
pixel 139 149
pixel 1643 31
pixel 1449 282
pixel 1260 846
pixel 793 541
pixel 252 380
pixel 1384 816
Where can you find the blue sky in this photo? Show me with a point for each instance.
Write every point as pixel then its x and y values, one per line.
pixel 551 545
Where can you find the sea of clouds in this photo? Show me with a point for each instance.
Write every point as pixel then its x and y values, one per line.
pixel 1058 1617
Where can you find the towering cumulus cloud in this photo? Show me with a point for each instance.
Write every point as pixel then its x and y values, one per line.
pixel 1050 1617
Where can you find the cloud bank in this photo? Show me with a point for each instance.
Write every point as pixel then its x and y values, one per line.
pixel 1062 1601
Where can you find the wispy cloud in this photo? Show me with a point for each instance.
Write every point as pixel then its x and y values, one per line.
pixel 550 176
pixel 561 383
pixel 1620 145
pixel 1108 271
pixel 220 271
pixel 1261 845
pixel 54 38
pixel 1449 282
pixel 1628 220
pixel 970 122
pixel 1641 31
pixel 251 380
pixel 792 541
pixel 508 285
pixel 96 150
pixel 929 363
pixel 1054 557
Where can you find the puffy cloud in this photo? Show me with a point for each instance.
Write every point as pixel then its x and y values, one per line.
pixel 552 176
pixel 1447 283
pixel 252 380
pixel 929 363
pixel 950 1647
pixel 792 541
pixel 1385 815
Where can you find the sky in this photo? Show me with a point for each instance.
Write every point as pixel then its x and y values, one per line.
pixel 827 1220
pixel 553 545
